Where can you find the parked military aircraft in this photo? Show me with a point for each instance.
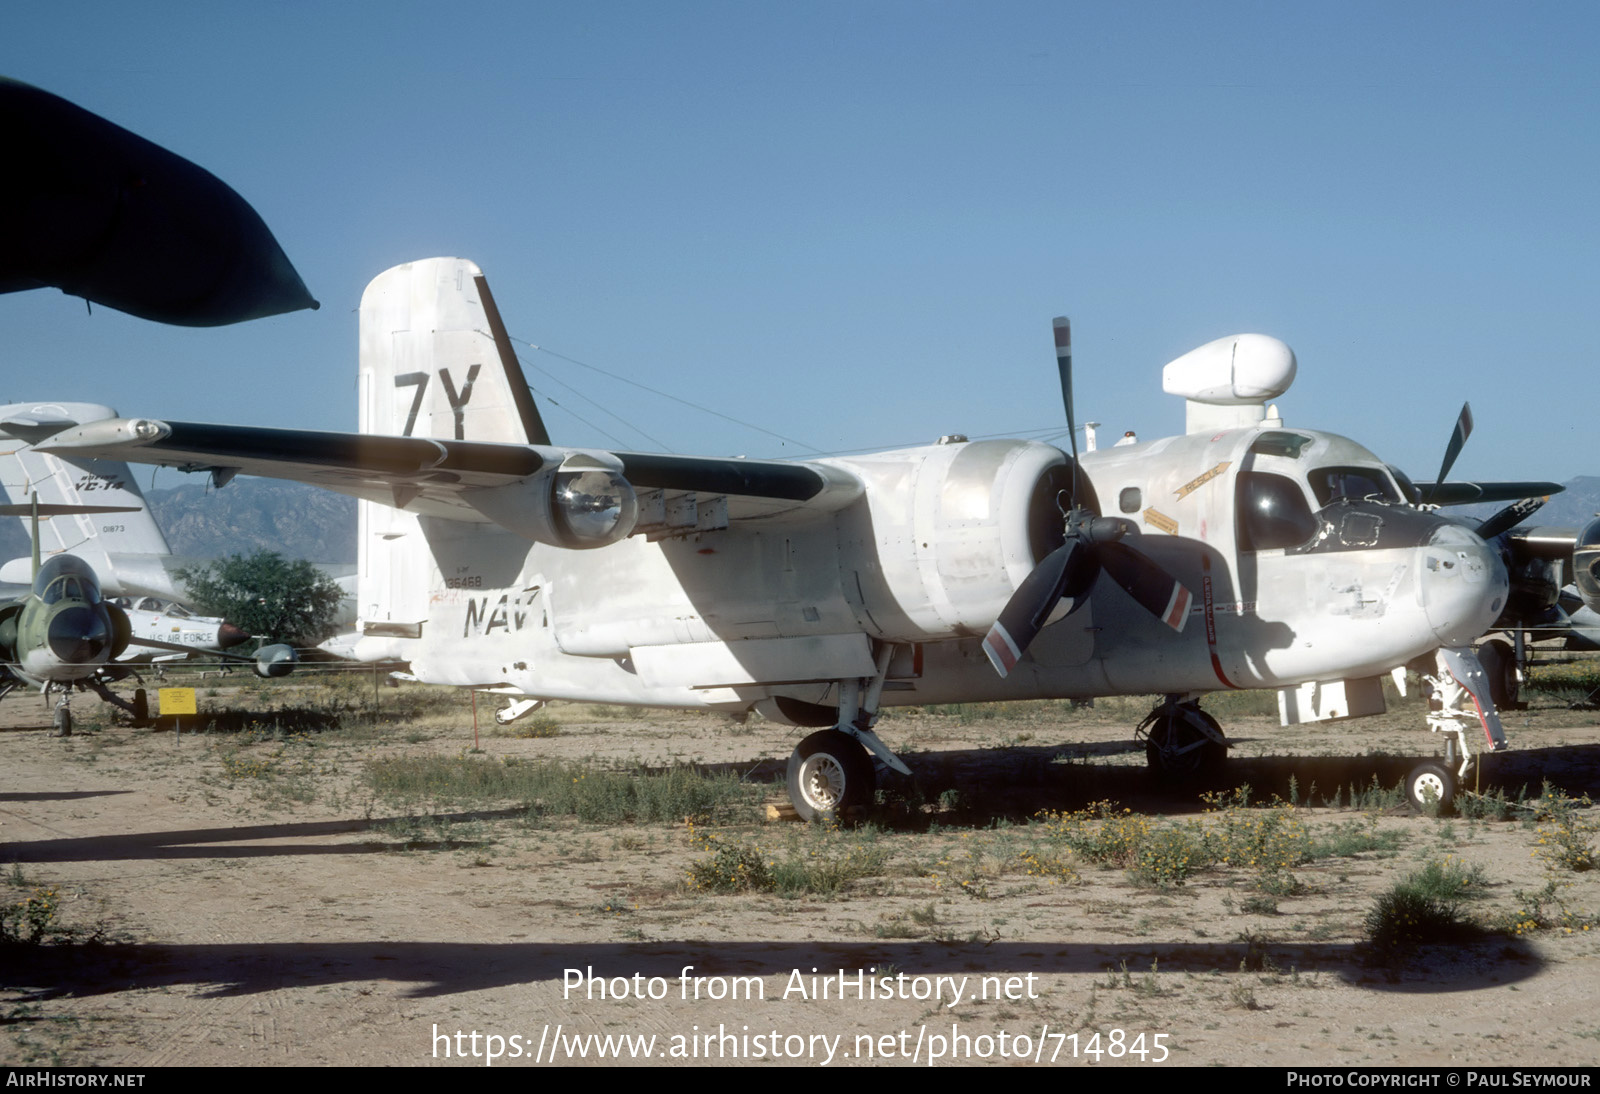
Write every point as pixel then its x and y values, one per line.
pixel 129 553
pixel 64 635
pixel 1247 553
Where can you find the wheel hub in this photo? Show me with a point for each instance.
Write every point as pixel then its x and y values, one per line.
pixel 1429 783
pixel 822 780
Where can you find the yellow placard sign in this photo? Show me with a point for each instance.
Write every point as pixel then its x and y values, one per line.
pixel 1196 483
pixel 1157 519
pixel 177 701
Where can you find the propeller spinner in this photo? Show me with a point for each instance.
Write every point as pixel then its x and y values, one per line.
pixel 1093 544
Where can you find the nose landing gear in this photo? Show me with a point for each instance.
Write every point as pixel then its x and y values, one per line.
pixel 1460 675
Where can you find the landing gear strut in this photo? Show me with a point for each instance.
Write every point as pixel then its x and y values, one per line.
pixel 1181 741
pixel 1459 675
pixel 831 772
pixel 61 721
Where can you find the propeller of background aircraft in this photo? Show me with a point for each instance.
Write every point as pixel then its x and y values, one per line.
pixel 1092 544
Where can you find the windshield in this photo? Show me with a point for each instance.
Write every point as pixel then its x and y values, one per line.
pixel 1272 512
pixel 66 577
pixel 1329 484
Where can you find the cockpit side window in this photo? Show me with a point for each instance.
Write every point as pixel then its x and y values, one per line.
pixel 1273 512
pixel 1329 484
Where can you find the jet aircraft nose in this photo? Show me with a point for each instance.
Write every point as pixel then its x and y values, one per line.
pixel 1462 583
pixel 79 635
pixel 229 636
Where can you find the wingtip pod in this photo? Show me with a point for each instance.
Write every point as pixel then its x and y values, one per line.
pixel 109 433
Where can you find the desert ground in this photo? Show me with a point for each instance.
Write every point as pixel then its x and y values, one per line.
pixel 332 873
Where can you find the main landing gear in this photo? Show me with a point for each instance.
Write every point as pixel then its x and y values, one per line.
pixel 1460 675
pixel 138 709
pixel 1181 742
pixel 830 772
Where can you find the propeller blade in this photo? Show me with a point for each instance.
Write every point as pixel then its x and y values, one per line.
pixel 1469 493
pixel 1063 336
pixel 1157 591
pixel 1025 613
pixel 1509 517
pixel 1458 437
pixel 1063 333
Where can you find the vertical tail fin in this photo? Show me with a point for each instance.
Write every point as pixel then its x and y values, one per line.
pixel 435 362
pixel 97 539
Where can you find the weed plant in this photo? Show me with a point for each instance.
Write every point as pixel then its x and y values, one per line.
pixel 550 788
pixel 28 914
pixel 822 861
pixel 1564 836
pixel 1425 907
pixel 1544 909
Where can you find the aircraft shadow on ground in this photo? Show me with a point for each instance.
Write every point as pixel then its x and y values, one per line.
pixel 446 968
pixel 387 836
pixel 980 786
pixel 56 795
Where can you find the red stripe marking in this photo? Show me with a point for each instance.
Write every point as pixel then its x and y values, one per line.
pixel 1482 721
pixel 1178 608
pixel 1211 624
pixel 1003 653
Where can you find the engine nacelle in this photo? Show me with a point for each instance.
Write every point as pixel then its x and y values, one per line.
pixel 8 631
pixel 582 504
pixel 1586 564
pixel 275 662
pixel 950 531
pixel 121 630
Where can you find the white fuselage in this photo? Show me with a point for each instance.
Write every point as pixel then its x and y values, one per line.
pixel 1331 578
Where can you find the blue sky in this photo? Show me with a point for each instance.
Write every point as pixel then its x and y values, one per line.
pixel 851 223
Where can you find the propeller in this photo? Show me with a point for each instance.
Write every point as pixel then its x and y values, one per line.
pixel 1458 438
pixel 1093 544
pixel 1509 517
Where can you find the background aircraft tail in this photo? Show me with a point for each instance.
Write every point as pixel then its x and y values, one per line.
pixel 127 550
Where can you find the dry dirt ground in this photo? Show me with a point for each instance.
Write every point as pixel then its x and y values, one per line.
pixel 236 898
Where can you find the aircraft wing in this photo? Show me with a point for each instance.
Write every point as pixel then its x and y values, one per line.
pixel 454 479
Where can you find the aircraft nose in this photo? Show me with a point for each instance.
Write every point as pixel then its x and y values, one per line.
pixel 79 635
pixel 229 636
pixel 1462 584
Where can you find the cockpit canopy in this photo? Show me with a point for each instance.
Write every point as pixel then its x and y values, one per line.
pixel 66 577
pixel 1275 510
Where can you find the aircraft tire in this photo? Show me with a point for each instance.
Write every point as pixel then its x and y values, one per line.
pixel 1171 759
pixel 829 776
pixel 141 707
pixel 62 723
pixel 1500 666
pixel 1430 781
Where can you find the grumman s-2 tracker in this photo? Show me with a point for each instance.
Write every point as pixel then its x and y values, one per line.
pixel 1247 553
